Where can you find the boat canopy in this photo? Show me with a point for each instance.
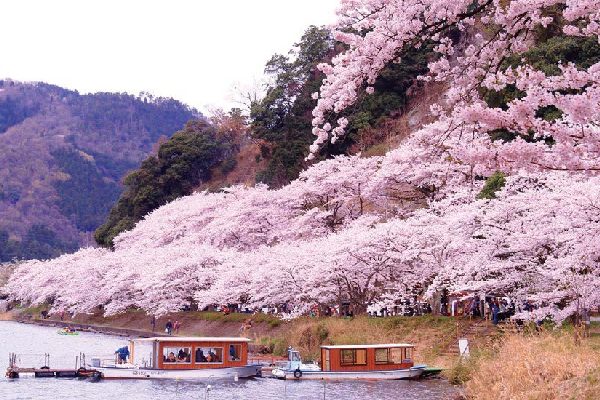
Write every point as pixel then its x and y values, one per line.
pixel 367 346
pixel 195 339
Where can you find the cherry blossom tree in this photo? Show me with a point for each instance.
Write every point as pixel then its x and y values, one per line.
pixel 367 230
pixel 378 32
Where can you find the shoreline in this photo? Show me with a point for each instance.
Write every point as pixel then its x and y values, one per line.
pixel 6 316
pixel 565 363
pixel 83 327
pixel 254 349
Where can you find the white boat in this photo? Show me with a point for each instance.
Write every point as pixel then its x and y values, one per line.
pixel 197 358
pixel 380 361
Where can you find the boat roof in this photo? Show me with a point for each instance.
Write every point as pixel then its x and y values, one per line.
pixel 193 339
pixel 367 346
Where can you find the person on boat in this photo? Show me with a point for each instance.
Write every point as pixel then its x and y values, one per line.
pixel 123 353
pixel 171 357
pixel 210 357
pixel 232 356
pixel 200 357
pixel 182 355
pixel 169 327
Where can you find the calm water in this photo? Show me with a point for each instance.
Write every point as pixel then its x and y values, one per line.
pixel 30 339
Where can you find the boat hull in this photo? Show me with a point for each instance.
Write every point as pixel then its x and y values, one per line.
pixel 409 373
pixel 247 371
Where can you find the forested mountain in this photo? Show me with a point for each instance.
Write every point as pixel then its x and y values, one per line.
pixel 178 167
pixel 62 156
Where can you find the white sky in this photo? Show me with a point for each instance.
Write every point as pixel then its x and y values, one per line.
pixel 195 51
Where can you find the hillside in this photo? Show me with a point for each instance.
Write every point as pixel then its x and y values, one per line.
pixel 270 145
pixel 180 164
pixel 63 156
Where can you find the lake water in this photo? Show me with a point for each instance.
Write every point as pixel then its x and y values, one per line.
pixel 37 340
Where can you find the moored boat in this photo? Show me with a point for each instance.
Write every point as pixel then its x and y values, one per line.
pixel 181 358
pixel 67 331
pixel 375 361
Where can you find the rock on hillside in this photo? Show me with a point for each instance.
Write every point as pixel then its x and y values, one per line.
pixel 62 155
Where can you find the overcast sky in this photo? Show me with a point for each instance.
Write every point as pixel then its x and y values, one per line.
pixel 193 50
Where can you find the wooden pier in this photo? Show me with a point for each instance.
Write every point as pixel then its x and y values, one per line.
pixel 16 372
pixel 80 371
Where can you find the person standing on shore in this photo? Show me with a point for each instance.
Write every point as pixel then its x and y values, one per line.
pixel 169 327
pixel 153 323
pixel 495 311
pixel 176 326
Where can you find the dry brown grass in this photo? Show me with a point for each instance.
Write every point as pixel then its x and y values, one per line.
pixel 244 172
pixel 540 367
pixel 430 335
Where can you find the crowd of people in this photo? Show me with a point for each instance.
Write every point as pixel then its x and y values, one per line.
pixel 489 307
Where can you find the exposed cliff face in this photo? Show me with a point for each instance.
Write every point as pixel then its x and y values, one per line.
pixel 62 156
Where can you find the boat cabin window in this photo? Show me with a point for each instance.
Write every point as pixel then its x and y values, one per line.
pixel 235 352
pixel 408 355
pixel 396 356
pixel 293 355
pixel 208 355
pixel 181 355
pixel 381 356
pixel 353 357
pixel 392 355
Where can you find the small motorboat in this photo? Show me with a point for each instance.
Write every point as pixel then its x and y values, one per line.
pixel 67 331
pixel 374 361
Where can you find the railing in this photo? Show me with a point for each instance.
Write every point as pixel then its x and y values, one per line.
pixel 103 360
pixel 28 360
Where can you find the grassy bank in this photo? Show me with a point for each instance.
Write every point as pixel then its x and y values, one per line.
pixel 192 323
pixel 541 366
pixel 431 335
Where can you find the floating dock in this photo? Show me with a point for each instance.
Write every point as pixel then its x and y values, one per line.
pixel 42 372
pixel 80 371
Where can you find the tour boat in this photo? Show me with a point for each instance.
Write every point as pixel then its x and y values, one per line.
pixel 181 358
pixel 372 361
